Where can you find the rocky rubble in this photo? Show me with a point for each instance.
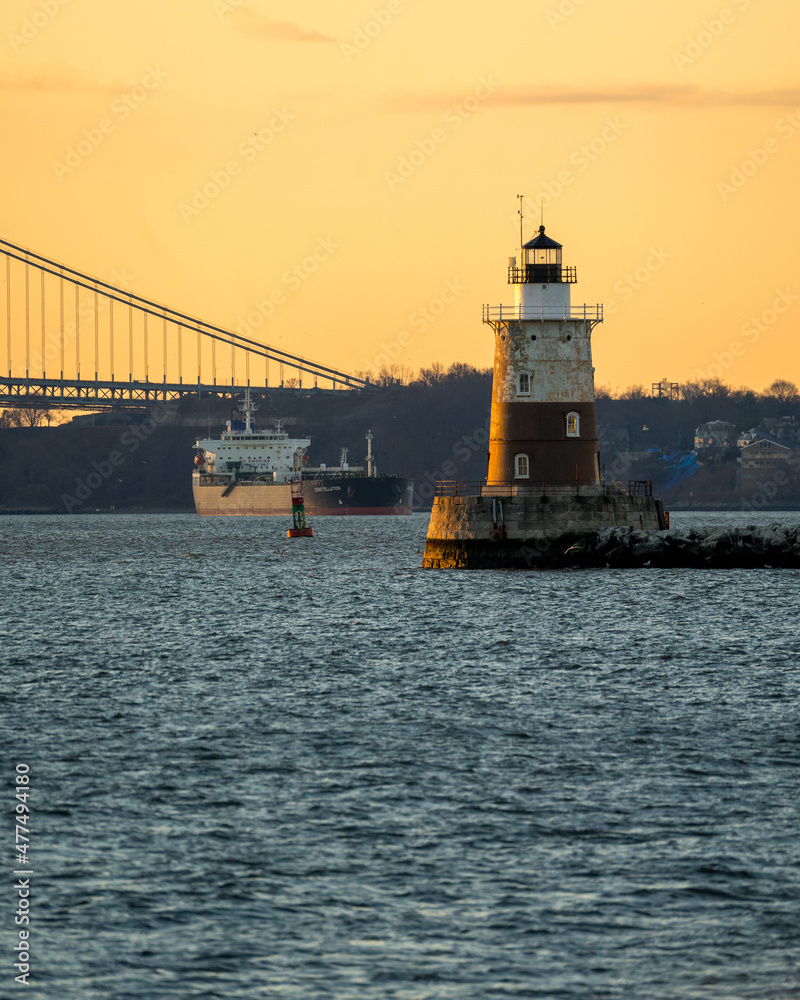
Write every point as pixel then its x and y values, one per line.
pixel 713 548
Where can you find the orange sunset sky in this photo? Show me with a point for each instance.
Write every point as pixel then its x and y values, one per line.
pixel 359 163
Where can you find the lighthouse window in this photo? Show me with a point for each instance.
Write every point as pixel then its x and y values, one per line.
pixel 521 467
pixel 573 425
pixel 524 384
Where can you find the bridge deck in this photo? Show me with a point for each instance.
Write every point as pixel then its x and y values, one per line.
pixel 89 394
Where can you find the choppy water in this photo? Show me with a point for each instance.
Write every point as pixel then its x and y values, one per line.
pixel 310 769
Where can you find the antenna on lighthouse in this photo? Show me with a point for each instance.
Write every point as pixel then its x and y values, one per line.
pixel 520 222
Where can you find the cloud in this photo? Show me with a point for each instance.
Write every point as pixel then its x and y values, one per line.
pixel 685 96
pixel 646 94
pixel 56 81
pixel 261 26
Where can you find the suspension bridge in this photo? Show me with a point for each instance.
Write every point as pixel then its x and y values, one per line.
pixel 74 327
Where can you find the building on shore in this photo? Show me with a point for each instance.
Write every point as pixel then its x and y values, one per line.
pixel 715 434
pixel 765 459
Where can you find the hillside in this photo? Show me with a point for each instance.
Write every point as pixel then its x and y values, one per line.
pixel 428 430
pixel 143 462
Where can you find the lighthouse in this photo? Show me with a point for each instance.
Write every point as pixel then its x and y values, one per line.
pixel 543 425
pixel 544 491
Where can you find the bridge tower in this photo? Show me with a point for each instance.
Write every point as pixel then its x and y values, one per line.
pixel 543 424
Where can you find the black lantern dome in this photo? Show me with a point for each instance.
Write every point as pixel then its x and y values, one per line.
pixel 541 263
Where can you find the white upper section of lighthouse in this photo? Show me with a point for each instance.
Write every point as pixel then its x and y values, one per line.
pixel 541 286
pixel 551 299
pixel 543 351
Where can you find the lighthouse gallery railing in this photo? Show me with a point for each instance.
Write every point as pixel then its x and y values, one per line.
pixel 480 488
pixel 500 314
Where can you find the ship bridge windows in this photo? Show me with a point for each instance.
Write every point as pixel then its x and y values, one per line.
pixel 524 384
pixel 521 467
pixel 573 425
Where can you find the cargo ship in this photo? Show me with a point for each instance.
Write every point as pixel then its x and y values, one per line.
pixel 250 472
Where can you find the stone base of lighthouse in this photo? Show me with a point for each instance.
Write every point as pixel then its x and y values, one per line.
pixel 532 531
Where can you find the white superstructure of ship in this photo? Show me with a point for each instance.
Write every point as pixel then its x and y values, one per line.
pixel 242 449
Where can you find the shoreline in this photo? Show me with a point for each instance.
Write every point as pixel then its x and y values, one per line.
pixel 678 509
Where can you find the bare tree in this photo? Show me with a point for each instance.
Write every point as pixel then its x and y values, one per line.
pixel 783 390
pixel 705 388
pixel 634 392
pixel 9 418
pixel 459 370
pixel 393 374
pixel 27 417
pixel 433 375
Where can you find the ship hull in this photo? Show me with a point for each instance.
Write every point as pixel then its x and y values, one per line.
pixel 338 496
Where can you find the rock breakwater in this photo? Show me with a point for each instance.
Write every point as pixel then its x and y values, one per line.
pixel 703 548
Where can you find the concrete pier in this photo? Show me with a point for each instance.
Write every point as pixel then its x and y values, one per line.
pixel 530 529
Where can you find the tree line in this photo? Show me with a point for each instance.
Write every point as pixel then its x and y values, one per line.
pixel 428 427
pixel 781 391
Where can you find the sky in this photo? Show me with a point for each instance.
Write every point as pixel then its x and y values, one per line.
pixel 341 181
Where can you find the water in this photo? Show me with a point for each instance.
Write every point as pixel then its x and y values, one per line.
pixel 310 769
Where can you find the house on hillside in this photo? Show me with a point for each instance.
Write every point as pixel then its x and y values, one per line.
pixel 764 457
pixel 776 428
pixel 748 437
pixel 782 428
pixel 715 434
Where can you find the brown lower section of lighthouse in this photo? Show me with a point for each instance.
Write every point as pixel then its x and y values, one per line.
pixel 539 431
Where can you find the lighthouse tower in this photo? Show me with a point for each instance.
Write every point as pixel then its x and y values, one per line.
pixel 543 494
pixel 543 425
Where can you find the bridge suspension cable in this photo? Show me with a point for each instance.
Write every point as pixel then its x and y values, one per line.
pixel 145 308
